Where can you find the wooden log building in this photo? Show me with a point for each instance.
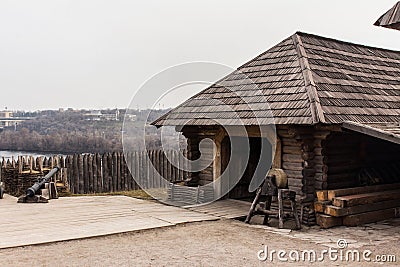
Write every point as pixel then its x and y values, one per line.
pixel 335 105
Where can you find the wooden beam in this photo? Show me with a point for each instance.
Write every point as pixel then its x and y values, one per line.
pixel 361 190
pixel 326 221
pixel 339 212
pixel 367 198
pixel 371 131
pixel 369 217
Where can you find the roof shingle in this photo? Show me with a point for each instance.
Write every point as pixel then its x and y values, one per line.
pixel 305 79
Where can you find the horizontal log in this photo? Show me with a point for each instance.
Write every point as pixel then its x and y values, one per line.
pixel 369 217
pixel 286 134
pixel 321 135
pixel 320 159
pixel 308 181
pixel 328 127
pixel 294 174
pixel 308 147
pixel 361 190
pixel 301 131
pixel 307 172
pixel 308 189
pixel 339 151
pixel 343 184
pixel 323 177
pixel 307 155
pixel 318 151
pixel 343 137
pixel 290 142
pixel 291 151
pixel 292 158
pixel 292 166
pixel 340 212
pixel 342 177
pixel 295 183
pixel 318 143
pixel 326 221
pixel 321 168
pixel 342 168
pixel 321 185
pixel 366 198
pixel 307 197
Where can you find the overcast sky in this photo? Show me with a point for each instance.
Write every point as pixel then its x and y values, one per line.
pixel 96 54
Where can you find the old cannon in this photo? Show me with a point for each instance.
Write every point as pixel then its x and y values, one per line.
pixel 31 193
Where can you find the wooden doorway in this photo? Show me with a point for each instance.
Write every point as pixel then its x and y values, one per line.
pixel 240 190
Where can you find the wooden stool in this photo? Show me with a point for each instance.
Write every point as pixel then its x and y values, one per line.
pixel 286 194
pixel 262 203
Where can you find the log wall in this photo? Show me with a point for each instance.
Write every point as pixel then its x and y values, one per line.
pixel 303 162
pixel 342 160
pixel 352 159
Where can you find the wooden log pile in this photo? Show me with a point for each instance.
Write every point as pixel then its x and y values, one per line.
pixel 357 205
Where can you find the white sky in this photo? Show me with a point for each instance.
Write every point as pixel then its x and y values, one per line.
pixel 96 54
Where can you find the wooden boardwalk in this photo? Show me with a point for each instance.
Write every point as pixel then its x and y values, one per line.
pixel 81 217
pixel 227 208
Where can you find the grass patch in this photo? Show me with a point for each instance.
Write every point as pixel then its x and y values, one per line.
pixel 133 193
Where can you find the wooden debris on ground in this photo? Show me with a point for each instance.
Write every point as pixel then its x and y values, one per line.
pixel 357 205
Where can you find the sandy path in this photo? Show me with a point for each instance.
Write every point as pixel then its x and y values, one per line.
pixel 215 243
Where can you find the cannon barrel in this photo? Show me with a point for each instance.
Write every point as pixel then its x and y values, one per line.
pixel 41 181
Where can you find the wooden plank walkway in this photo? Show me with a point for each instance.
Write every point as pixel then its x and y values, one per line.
pixel 226 208
pixel 80 217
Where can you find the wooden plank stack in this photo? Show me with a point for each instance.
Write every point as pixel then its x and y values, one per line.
pixel 357 205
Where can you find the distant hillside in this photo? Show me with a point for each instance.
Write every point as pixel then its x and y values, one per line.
pixel 71 131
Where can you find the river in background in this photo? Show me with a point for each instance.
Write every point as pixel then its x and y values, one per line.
pixel 15 154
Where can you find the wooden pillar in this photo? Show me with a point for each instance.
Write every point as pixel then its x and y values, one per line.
pixel 277 161
pixel 219 136
pixel 193 154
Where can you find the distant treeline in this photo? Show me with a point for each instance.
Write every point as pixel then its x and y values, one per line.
pixel 74 132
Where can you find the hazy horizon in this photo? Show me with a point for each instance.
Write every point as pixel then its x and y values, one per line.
pixel 96 54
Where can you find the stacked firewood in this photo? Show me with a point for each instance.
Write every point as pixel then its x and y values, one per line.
pixel 357 205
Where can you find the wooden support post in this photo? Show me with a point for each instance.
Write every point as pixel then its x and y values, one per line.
pixel 217 162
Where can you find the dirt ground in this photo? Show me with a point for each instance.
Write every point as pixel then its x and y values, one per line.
pixel 213 243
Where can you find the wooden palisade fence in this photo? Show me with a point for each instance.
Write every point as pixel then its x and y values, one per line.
pixel 95 173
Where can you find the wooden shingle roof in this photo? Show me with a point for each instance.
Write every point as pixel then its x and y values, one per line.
pixel 391 19
pixel 305 79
